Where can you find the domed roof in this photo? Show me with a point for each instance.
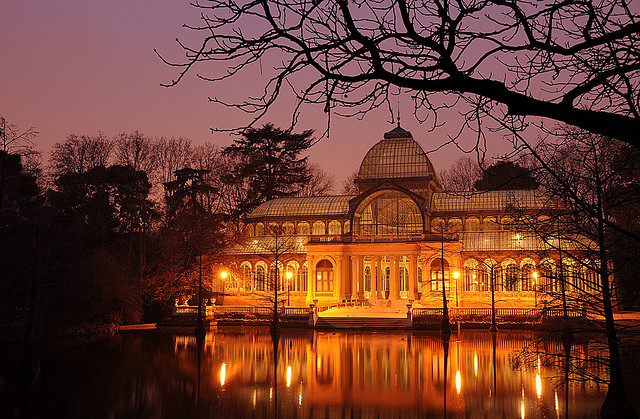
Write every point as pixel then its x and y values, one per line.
pixel 398 155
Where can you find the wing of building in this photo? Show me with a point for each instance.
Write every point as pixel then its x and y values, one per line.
pixel 400 238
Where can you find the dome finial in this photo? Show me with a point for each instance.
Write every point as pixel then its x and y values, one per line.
pixel 398 114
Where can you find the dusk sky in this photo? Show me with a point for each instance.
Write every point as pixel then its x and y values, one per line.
pixel 81 67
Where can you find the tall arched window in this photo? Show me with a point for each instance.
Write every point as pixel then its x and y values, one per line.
pixel 404 279
pixel 246 276
pixel 510 271
pixel 438 268
pixel 260 278
pixel 304 277
pixel 324 276
pixel 470 279
pixel 529 283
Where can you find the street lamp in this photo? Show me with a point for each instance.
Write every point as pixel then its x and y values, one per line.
pixel 456 275
pixel 535 287
pixel 288 275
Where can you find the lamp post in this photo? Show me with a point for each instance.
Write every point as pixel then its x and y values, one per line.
pixel 535 287
pixel 288 275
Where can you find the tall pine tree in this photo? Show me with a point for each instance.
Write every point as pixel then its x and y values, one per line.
pixel 269 164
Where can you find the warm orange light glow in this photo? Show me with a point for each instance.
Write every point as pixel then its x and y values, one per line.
pixel 224 274
pixel 475 364
pixel 223 373
pixel 319 276
pixel 522 409
pixel 535 275
pixel 458 382
pixel 289 376
pixel 555 396
pixel 473 276
pixel 289 274
pixel 456 274
pixel 538 385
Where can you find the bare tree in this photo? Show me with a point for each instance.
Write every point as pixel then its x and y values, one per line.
pixel 80 153
pixel 462 175
pixel 135 150
pixel 573 61
pixel 349 186
pixel 171 154
pixel 594 179
pixel 320 182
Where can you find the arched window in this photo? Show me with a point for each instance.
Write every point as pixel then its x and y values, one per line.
pixel 335 228
pixel 303 228
pixel 404 279
pixel 318 228
pixel 529 283
pixel 490 224
pixel 491 272
pixel 246 275
pixel 324 276
pixel 288 228
pixel 547 278
pixel 387 212
pixel 248 230
pixel 470 278
pixel 291 276
pixel 438 268
pixel 510 271
pixel 367 278
pixel 303 275
pixel 455 225
pixel 259 229
pixel 260 278
pixel 472 224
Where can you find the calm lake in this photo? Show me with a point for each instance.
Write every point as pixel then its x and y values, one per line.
pixel 161 374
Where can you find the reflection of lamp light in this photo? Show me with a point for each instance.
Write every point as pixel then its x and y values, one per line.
pixel 458 382
pixel 475 363
pixel 538 385
pixel 288 375
pixel 223 373
pixel 535 287
pixel 522 409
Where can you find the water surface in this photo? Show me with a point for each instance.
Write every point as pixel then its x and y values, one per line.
pixel 155 374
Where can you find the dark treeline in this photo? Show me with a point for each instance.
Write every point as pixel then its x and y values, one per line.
pixel 113 230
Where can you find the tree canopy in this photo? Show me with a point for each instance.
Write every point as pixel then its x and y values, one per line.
pixel 269 163
pixel 505 175
pixel 572 61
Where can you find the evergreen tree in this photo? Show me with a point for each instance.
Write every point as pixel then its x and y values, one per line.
pixel 505 175
pixel 269 164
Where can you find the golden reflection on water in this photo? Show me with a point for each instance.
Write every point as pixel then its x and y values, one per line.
pixel 381 373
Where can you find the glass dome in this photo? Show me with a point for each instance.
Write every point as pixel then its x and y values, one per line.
pixel 398 155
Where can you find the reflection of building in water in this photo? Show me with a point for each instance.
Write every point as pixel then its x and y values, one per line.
pixel 397 372
pixel 400 238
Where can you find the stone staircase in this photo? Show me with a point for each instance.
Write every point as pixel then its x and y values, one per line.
pixel 361 323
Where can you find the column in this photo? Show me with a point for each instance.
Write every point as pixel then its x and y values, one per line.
pixel 354 277
pixel 311 279
pixel 394 281
pixel 413 260
pixel 337 283
pixel 375 277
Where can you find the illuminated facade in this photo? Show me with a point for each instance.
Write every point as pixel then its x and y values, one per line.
pixel 400 238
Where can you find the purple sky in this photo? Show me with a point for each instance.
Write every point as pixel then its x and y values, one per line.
pixel 81 67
